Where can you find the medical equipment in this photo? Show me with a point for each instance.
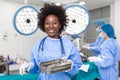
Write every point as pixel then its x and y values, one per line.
pixel 25 20
pixel 78 19
pixel 54 66
pixel 4 67
pixel 84 57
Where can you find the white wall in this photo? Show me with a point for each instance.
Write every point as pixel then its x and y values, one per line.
pixel 19 44
pixel 14 43
pixel 115 18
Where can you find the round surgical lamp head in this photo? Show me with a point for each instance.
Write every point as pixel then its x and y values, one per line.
pixel 25 20
pixel 78 19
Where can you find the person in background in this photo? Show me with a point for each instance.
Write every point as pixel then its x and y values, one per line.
pixel 95 46
pixel 52 20
pixel 109 55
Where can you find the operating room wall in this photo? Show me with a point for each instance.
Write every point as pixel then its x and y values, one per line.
pixel 115 18
pixel 11 42
pixel 96 14
pixel 115 21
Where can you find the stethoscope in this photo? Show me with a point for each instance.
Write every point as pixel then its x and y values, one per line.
pixel 41 47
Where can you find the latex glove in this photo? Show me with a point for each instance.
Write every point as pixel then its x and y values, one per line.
pixel 85 44
pixel 71 65
pixel 83 55
pixel 92 59
pixel 86 47
pixel 26 67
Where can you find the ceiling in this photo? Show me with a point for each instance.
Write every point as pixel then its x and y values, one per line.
pixel 90 4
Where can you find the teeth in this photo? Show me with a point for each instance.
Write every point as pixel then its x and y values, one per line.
pixel 51 30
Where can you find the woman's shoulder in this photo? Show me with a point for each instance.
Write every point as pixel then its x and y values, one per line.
pixel 110 42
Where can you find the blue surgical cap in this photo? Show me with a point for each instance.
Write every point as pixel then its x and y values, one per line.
pixel 99 22
pixel 109 30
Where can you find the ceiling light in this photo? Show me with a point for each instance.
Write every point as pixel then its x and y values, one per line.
pixel 25 1
pixel 82 3
pixel 61 1
pixel 58 4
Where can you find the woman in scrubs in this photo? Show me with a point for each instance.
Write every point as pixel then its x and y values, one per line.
pixel 95 46
pixel 109 55
pixel 52 20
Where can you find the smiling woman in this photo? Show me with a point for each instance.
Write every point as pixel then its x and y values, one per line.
pixel 50 15
pixel 52 20
pixel 52 26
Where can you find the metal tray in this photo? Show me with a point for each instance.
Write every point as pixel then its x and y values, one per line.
pixel 54 66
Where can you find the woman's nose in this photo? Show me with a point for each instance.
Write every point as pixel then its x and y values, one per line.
pixel 51 25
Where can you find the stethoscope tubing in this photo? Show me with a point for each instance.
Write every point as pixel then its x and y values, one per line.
pixel 41 46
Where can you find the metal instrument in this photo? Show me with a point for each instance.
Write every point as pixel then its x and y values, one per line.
pixel 54 66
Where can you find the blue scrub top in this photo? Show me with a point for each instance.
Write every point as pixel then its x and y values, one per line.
pixel 52 51
pixel 95 47
pixel 107 60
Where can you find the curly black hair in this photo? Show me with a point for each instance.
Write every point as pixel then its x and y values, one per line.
pixel 48 9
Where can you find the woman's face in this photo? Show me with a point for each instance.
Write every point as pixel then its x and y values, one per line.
pixel 52 26
pixel 104 35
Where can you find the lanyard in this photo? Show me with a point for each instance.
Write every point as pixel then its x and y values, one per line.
pixel 41 46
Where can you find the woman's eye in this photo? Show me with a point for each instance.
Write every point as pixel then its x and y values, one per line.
pixel 54 22
pixel 47 23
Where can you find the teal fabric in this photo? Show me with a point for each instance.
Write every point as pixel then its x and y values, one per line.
pixel 2 74
pixel 81 75
pixel 20 77
pixel 90 75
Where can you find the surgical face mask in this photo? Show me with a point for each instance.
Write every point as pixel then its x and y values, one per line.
pixel 98 30
pixel 101 36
